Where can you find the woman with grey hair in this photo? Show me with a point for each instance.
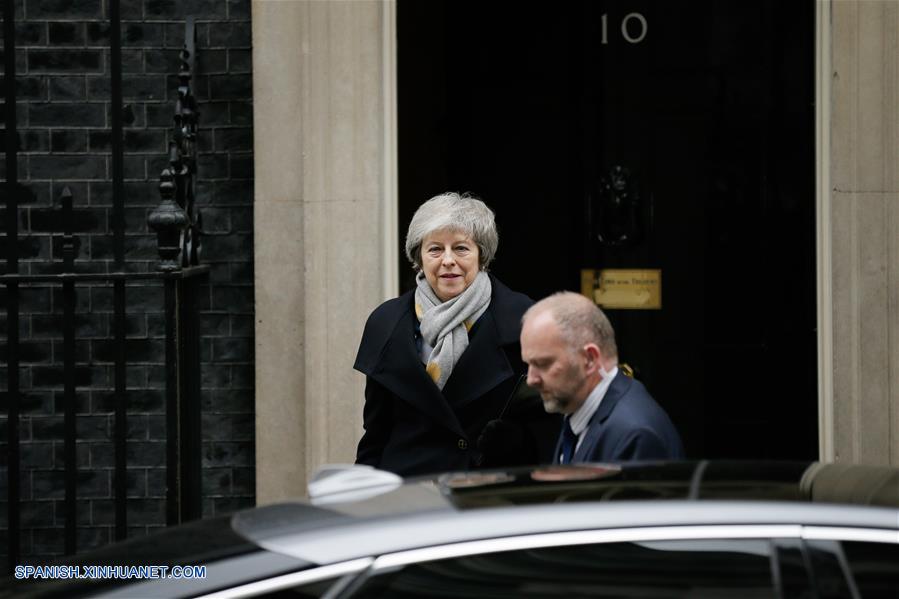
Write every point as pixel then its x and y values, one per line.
pixel 442 362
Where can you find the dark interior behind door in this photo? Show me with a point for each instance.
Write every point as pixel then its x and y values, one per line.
pixel 709 106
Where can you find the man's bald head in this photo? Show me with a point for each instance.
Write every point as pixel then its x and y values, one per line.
pixel 579 320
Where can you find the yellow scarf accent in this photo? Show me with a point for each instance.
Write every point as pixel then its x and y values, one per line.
pixel 433 370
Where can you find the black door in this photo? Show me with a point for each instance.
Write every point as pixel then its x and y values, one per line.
pixel 708 106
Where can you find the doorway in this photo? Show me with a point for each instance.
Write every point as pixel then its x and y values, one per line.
pixel 708 110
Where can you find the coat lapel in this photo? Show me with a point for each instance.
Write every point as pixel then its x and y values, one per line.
pixel 620 385
pixel 388 355
pixel 400 370
pixel 482 366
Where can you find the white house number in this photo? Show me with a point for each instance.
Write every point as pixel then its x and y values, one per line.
pixel 633 34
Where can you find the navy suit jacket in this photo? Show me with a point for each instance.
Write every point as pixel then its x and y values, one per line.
pixel 628 425
pixel 411 426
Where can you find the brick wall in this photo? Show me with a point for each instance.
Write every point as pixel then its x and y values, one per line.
pixel 63 94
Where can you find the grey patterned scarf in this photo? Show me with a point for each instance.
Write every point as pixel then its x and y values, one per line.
pixel 445 325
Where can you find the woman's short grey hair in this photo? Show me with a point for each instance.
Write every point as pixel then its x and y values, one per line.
pixel 451 211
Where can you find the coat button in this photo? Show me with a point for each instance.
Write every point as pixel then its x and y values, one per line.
pixel 463 444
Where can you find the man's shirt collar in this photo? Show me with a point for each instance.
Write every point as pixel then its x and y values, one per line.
pixel 580 419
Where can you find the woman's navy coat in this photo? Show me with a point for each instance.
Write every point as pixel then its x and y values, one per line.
pixel 411 427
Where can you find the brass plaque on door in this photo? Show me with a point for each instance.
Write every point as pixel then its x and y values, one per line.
pixel 623 288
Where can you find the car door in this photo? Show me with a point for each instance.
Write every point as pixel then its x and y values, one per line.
pixel 690 562
pixel 695 562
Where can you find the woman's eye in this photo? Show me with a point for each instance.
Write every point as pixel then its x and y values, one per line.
pixel 462 248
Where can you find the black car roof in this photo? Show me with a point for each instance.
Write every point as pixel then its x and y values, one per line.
pixel 469 506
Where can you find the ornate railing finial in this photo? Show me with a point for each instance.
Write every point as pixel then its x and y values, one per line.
pixel 169 222
pixel 186 123
pixel 178 180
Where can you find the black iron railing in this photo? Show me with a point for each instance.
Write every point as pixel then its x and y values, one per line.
pixel 177 224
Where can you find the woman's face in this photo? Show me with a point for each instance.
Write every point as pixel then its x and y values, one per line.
pixel 449 260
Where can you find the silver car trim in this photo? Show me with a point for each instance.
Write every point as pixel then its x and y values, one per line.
pixel 584 537
pixel 294 578
pixel 837 533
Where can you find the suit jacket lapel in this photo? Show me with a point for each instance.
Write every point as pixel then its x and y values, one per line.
pixel 620 385
pixel 558 451
pixel 400 370
pixel 482 366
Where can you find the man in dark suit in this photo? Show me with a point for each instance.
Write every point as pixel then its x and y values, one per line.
pixel 569 347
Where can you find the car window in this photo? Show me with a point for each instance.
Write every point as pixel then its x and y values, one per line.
pixel 737 569
pixel 312 590
pixel 857 569
pixel 792 570
pixel 874 567
pixel 324 581
pixel 830 570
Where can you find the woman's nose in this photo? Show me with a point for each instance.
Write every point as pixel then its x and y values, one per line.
pixel 448 257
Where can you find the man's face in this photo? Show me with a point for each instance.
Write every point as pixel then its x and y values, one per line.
pixel 554 369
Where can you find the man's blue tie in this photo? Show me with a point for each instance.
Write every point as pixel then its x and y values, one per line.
pixel 569 442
